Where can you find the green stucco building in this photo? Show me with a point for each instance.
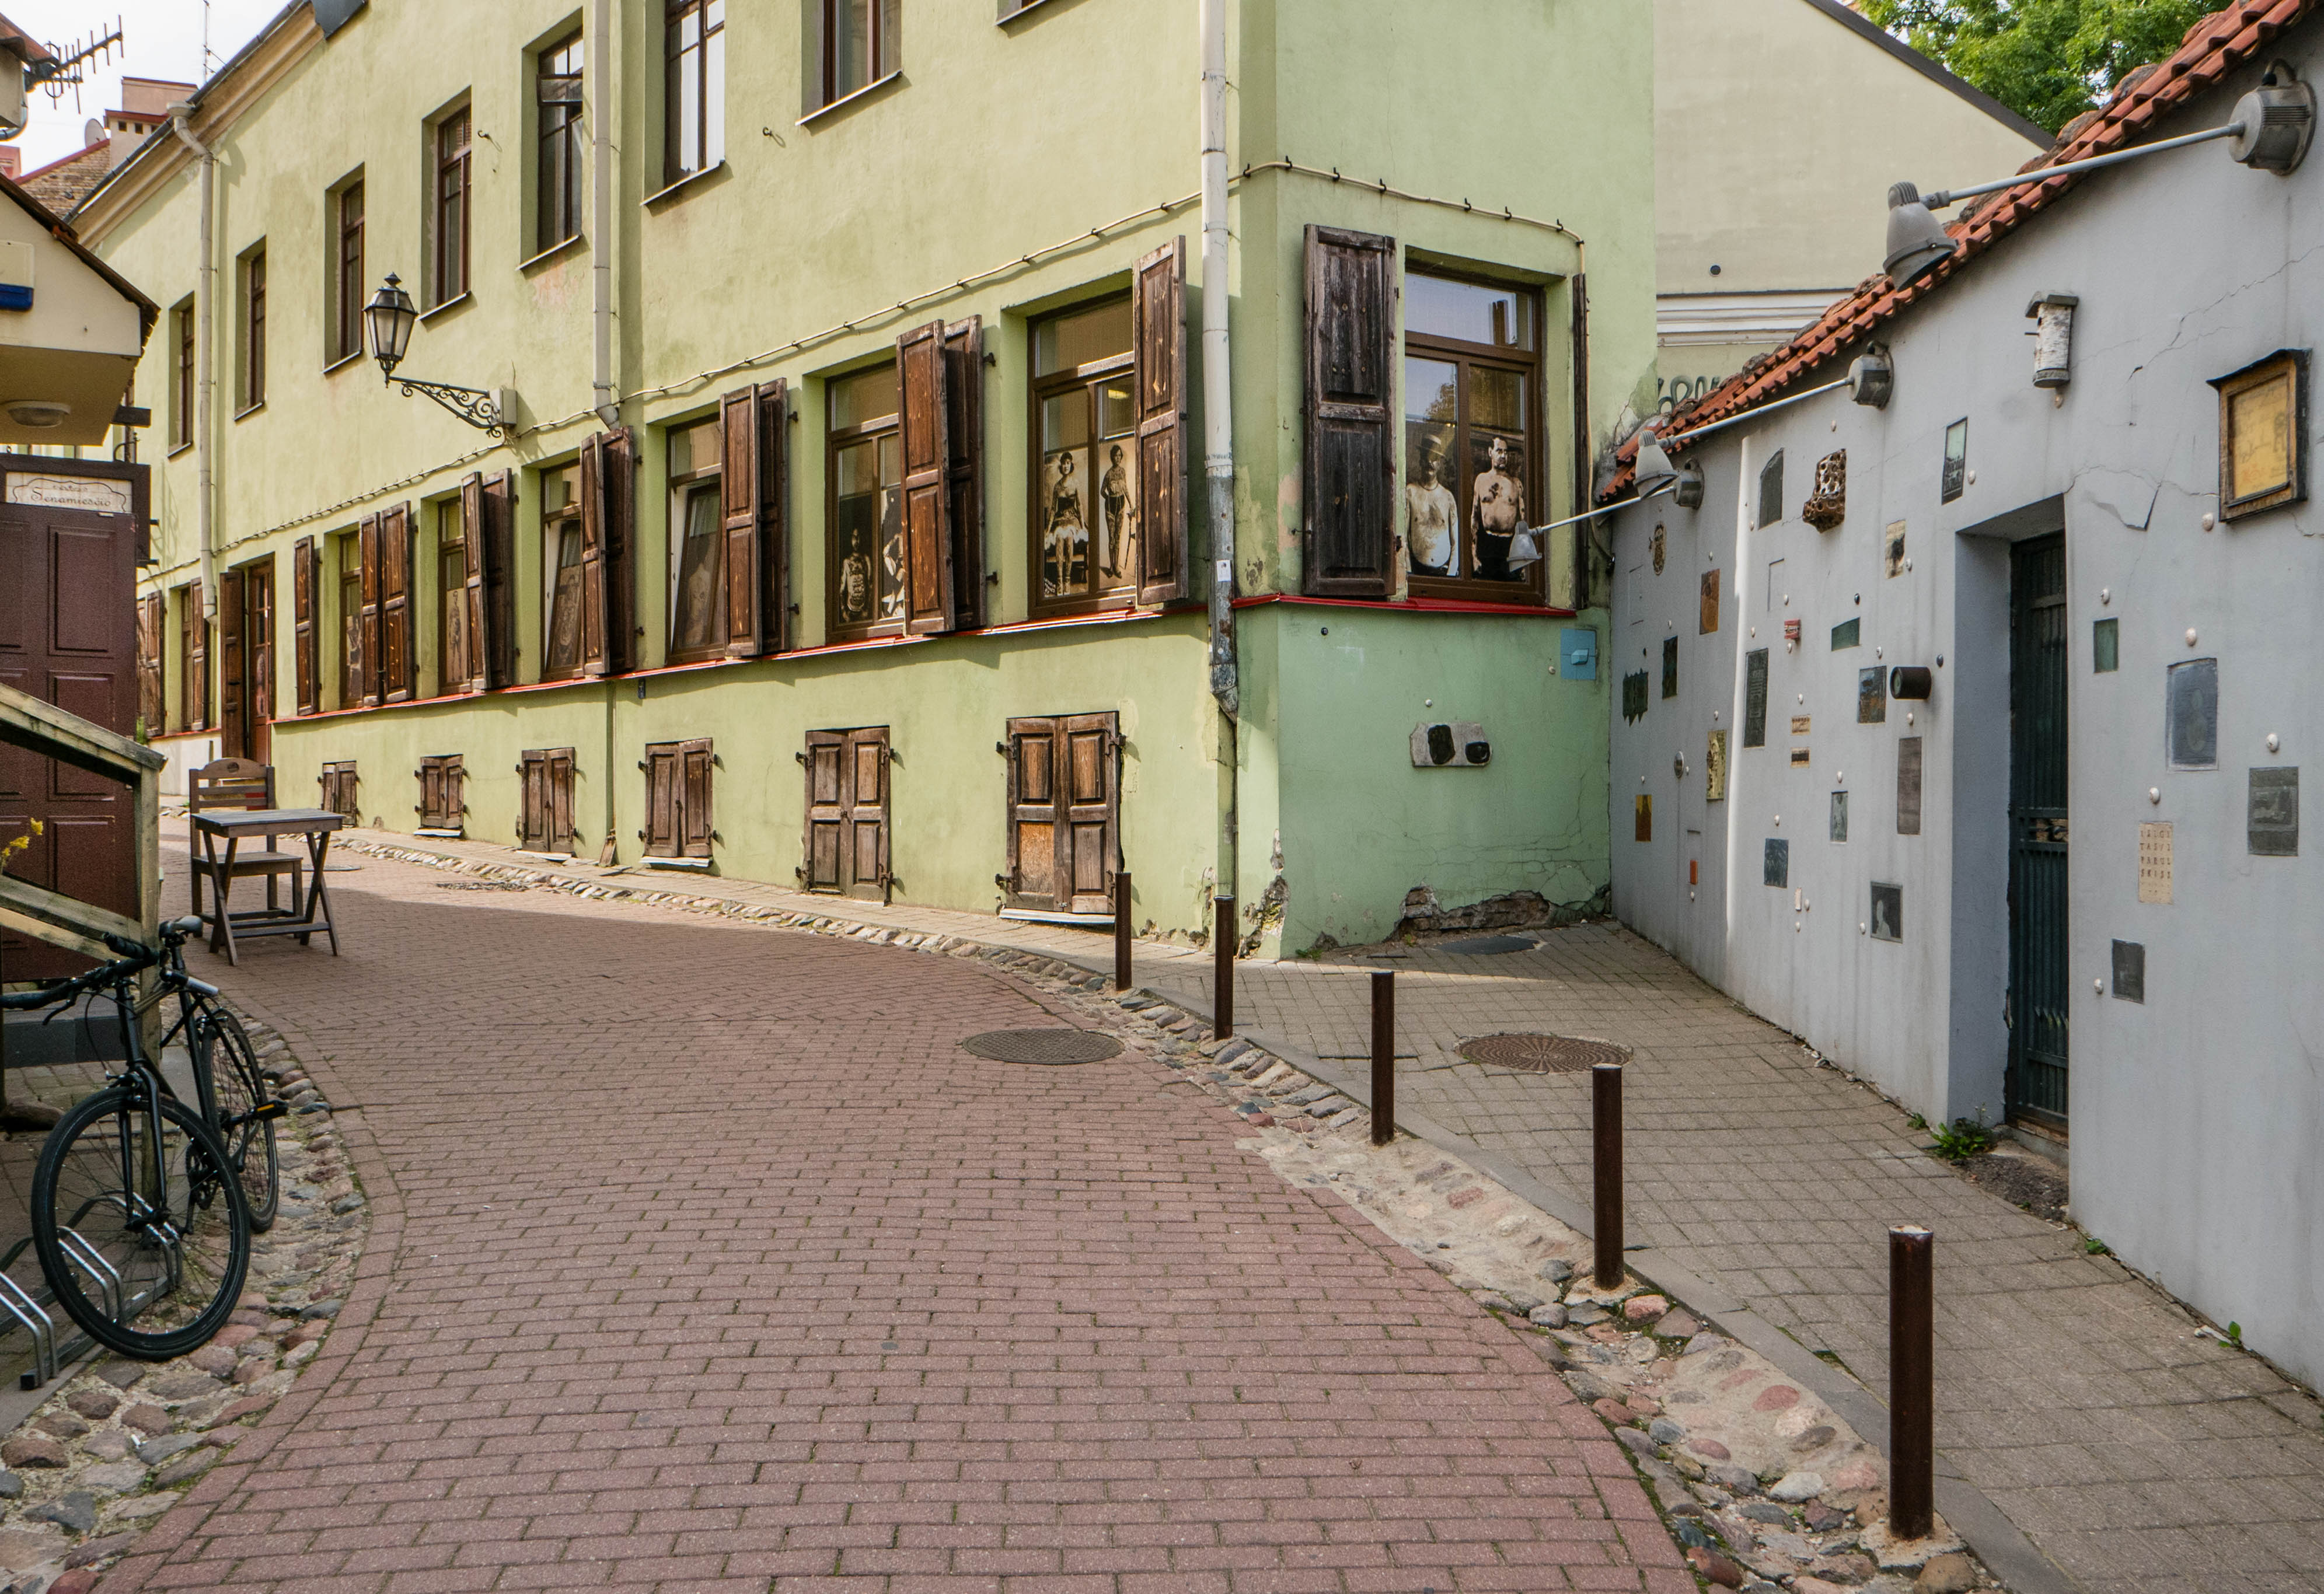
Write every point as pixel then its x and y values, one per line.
pixel 847 521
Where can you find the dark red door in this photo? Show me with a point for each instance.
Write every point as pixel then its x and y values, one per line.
pixel 68 635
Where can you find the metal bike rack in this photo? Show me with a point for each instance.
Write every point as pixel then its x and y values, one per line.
pixel 109 1280
pixel 38 1323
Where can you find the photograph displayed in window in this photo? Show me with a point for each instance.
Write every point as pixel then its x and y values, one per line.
pixel 452 666
pixel 1084 487
pixel 346 550
pixel 693 91
pixel 254 329
pixel 557 178
pixel 867 503
pixel 860 39
pixel 347 275
pixel 1471 366
pixel 181 393
pixel 560 565
pixel 698 587
pixel 451 257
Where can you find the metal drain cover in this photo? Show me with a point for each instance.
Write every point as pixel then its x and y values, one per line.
pixel 1542 1054
pixel 1487 944
pixel 1042 1046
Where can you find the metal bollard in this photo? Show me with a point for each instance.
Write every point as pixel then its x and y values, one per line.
pixel 1383 1055
pixel 1912 1383
pixel 1222 951
pixel 1122 931
pixel 1606 1167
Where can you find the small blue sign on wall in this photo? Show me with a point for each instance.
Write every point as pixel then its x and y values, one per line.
pixel 1577 655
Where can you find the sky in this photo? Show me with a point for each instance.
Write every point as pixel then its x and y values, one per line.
pixel 159 39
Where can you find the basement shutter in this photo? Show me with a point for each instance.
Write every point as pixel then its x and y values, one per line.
pixel 398 658
pixel 197 684
pixel 964 478
pixel 1158 311
pixel 442 792
pixel 234 719
pixel 694 800
pixel 823 869
pixel 1065 811
pixel 495 641
pixel 532 801
pixel 149 663
pixel 1349 461
pixel 472 547
pixel 306 582
pixel 661 767
pixel 926 430
pixel 560 799
pixel 847 813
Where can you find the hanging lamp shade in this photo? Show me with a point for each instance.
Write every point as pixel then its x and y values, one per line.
pixel 1654 471
pixel 1918 243
pixel 391 314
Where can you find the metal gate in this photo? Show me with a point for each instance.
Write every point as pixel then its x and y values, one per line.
pixel 2039 981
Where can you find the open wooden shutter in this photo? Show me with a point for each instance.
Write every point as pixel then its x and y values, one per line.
pixel 306 583
pixel 149 663
pixel 472 549
pixel 560 799
pixel 928 461
pixel 197 684
pixel 1031 881
pixel 1349 462
pixel 773 415
pixel 1158 313
pixel 738 509
pixel 1088 812
pixel 694 800
pixel 258 626
pixel 495 641
pixel 827 810
pixel 369 675
pixel 620 482
pixel 398 658
pixel 593 555
pixel 532 801
pixel 867 813
pixel 234 707
pixel 964 478
pixel 661 767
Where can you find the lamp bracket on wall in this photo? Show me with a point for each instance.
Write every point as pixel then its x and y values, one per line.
pixel 473 405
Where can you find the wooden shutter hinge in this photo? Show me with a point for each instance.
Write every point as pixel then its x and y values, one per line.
pixel 800 756
pixel 1002 747
pixel 1002 880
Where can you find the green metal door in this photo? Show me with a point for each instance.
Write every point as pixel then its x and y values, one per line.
pixel 2039 983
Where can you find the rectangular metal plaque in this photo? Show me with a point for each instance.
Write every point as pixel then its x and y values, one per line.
pixel 1888 920
pixel 1840 816
pixel 1670 667
pixel 2154 862
pixel 1714 769
pixel 1755 697
pixel 1800 723
pixel 1892 549
pixel 1776 866
pixel 1848 633
pixel 1872 696
pixel 1634 695
pixel 2192 716
pixel 1800 758
pixel 1644 823
pixel 1908 786
pixel 2130 971
pixel 2273 822
pixel 1709 619
pixel 2106 646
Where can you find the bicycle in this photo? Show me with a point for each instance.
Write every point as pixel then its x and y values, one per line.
pixel 140 1216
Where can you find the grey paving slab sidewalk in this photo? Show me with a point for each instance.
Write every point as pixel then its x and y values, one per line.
pixel 2077 1397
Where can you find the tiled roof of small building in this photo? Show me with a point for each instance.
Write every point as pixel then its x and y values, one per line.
pixel 62 184
pixel 2143 100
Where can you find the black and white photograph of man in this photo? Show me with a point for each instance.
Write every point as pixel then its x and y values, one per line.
pixel 1431 515
pixel 1496 509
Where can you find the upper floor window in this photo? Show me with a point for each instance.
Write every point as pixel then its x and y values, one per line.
pixel 252 340
pixel 1085 458
pixel 181 386
pixel 1472 447
pixel 866 465
pixel 348 273
pixel 698 623
pixel 557 177
pixel 694 98
pixel 860 44
pixel 451 260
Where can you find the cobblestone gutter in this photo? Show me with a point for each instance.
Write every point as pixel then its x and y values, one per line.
pixel 117 1441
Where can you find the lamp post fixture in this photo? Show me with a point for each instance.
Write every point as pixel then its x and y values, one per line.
pixel 393 316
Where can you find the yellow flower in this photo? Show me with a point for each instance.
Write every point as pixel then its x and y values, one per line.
pixel 11 848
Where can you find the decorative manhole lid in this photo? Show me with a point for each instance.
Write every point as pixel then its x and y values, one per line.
pixel 1488 945
pixel 1542 1054
pixel 1043 1046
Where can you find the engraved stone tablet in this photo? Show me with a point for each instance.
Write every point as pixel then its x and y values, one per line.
pixel 2154 862
pixel 1800 723
pixel 1800 758
pixel 1634 695
pixel 1840 816
pixel 1755 697
pixel 1908 786
pixel 1848 633
pixel 2273 823
pixel 1670 667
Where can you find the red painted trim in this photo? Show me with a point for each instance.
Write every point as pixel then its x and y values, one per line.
pixel 179 735
pixel 1409 605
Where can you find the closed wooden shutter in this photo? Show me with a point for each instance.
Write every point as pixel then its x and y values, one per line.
pixel 772 413
pixel 1350 456
pixel 847 813
pixel 306 584
pixel 928 460
pixel 661 767
pixel 398 658
pixel 234 708
pixel 593 555
pixel 339 783
pixel 150 614
pixel 824 868
pixel 1032 749
pixel 369 676
pixel 694 800
pixel 197 684
pixel 964 432
pixel 737 506
pixel 1065 809
pixel 532 801
pixel 560 799
pixel 471 662
pixel 443 788
pixel 1158 301
pixel 619 480
pixel 495 641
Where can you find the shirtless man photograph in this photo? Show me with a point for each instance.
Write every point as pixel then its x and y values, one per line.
pixel 1497 508
pixel 1432 515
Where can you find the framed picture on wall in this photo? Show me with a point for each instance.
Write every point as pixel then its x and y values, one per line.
pixel 2263 434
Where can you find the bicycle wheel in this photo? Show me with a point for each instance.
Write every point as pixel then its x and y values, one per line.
pixel 145 1241
pixel 236 1092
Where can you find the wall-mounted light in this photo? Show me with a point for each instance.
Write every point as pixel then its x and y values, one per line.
pixel 1654 471
pixel 393 316
pixel 2271 127
pixel 38 415
pixel 1911 681
pixel 1872 377
pixel 2053 315
pixel 1688 494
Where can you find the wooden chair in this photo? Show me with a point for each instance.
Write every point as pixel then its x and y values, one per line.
pixel 241 783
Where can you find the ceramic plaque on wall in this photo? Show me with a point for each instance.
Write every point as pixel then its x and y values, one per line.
pixel 1714 769
pixel 1755 697
pixel 1709 623
pixel 1908 786
pixel 2154 862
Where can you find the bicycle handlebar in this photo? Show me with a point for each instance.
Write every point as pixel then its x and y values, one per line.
pixel 130 957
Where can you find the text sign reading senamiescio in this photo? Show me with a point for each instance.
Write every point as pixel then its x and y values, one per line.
pixel 101 494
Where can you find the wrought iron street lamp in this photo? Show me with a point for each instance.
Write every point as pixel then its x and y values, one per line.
pixel 393 316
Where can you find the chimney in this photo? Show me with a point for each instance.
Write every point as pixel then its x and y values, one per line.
pixel 12 162
pixel 144 106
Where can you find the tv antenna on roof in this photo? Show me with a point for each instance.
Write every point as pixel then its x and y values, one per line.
pixel 68 66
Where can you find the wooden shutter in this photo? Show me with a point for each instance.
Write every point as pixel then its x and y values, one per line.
pixel 1350 457
pixel 560 799
pixel 150 614
pixel 827 810
pixel 495 642
pixel 661 767
pixel 258 627
pixel 1158 313
pixel 397 657
pixel 233 707
pixel 867 813
pixel 619 481
pixel 965 479
pixel 306 583
pixel 928 461
pixel 532 801
pixel 369 675
pixel 1088 812
pixel 1031 880
pixel 694 800
pixel 197 684
pixel 773 413
pixel 593 555
pixel 471 553
pixel 738 509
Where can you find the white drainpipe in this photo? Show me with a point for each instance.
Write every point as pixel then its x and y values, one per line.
pixel 204 308
pixel 601 206
pixel 1218 422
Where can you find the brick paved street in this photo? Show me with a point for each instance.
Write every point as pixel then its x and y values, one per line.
pixel 702 1256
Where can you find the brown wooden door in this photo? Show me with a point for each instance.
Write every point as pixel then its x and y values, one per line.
pixel 69 637
pixel 1063 812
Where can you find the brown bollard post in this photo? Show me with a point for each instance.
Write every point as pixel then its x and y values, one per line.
pixel 1122 931
pixel 1222 951
pixel 1606 1124
pixel 1383 1055
pixel 1912 1383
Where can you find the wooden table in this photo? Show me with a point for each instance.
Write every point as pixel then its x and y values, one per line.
pixel 301 918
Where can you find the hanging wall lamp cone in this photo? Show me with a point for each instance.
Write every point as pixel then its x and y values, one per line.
pixel 1654 471
pixel 1918 243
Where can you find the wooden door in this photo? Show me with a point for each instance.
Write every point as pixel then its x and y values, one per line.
pixel 2040 985
pixel 1063 814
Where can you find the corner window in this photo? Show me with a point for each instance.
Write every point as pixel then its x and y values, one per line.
pixel 866 487
pixel 860 44
pixel 694 93
pixel 348 273
pixel 1471 443
pixel 698 622
pixel 182 385
pixel 556 174
pixel 560 566
pixel 251 387
pixel 1084 459
pixel 449 257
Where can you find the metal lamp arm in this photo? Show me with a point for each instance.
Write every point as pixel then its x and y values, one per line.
pixel 1944 197
pixel 473 405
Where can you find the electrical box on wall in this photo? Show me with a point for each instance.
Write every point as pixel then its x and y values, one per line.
pixel 1577 655
pixel 15 273
pixel 1460 745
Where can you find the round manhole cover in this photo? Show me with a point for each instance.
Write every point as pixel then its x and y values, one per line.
pixel 1043 1046
pixel 1542 1054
